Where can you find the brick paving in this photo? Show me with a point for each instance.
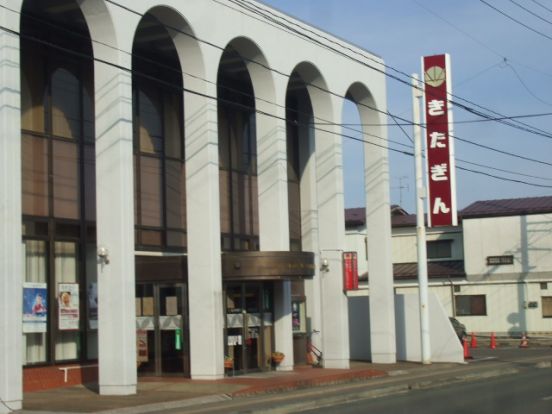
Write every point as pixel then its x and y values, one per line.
pixel 156 390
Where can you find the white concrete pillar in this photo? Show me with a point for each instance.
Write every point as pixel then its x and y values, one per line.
pixel 204 251
pixel 309 225
pixel 115 231
pixel 274 217
pixel 335 322
pixel 11 291
pixel 380 261
pixel 283 332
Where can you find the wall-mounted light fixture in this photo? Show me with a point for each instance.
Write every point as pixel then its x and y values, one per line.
pixel 324 265
pixel 103 254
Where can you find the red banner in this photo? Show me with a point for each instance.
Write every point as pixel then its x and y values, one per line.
pixel 350 271
pixel 439 143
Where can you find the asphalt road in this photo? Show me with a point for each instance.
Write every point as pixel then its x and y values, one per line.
pixel 495 381
pixel 529 391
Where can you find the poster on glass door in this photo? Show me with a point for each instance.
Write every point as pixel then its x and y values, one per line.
pixel 68 306
pixel 35 307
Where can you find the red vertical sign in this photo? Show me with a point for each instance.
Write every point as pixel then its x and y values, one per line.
pixel 350 271
pixel 441 177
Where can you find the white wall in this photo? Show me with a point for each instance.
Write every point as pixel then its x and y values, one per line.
pixel 445 346
pixel 506 302
pixel 508 288
pixel 527 238
pixel 404 242
pixel 444 343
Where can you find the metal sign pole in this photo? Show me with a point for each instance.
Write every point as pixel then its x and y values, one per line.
pixel 420 224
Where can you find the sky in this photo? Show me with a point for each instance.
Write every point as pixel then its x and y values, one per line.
pixel 496 63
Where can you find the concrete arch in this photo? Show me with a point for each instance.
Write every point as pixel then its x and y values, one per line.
pixel 368 109
pixel 99 23
pixel 102 29
pixel 261 76
pixel 316 86
pixel 187 46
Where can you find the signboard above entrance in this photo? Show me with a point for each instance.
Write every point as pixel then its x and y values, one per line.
pixel 267 265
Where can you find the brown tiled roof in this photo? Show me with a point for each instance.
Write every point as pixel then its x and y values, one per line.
pixel 357 216
pixel 508 207
pixel 487 208
pixel 435 270
pixel 404 221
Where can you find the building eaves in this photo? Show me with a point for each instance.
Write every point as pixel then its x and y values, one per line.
pixel 435 270
pixel 508 207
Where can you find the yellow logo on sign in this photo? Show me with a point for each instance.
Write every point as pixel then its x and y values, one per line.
pixel 435 76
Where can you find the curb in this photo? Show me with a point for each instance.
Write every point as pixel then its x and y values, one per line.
pixel 148 408
pixel 169 405
pixel 322 402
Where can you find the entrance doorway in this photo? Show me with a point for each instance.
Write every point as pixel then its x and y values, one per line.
pixel 249 326
pixel 162 329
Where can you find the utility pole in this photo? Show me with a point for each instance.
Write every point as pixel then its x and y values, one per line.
pixel 420 224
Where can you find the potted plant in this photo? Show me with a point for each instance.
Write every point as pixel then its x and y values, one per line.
pixel 228 362
pixel 277 357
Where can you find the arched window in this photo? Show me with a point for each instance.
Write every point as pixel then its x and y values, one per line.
pixel 58 185
pixel 239 212
pixel 160 179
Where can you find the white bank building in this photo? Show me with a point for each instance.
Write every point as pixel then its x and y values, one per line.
pixel 169 203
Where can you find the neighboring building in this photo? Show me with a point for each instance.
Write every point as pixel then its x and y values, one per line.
pixel 493 271
pixel 164 184
pixel 508 263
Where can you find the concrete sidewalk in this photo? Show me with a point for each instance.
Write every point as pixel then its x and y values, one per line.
pixel 158 394
pixel 172 392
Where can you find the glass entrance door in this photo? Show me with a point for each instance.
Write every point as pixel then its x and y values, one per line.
pixel 248 326
pixel 161 329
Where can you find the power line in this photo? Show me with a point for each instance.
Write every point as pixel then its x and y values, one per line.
pixel 253 8
pixel 505 121
pixel 481 72
pixel 362 104
pixel 503 178
pixel 482 44
pixel 525 127
pixel 516 20
pixel 527 87
pixel 542 5
pixel 469 121
pixel 531 12
pixel 489 167
pixel 461 139
pixel 501 151
pixel 161 65
pixel 503 170
pixel 193 92
pixel 219 99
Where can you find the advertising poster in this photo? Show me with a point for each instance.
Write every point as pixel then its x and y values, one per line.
pixel 142 346
pixel 35 307
pixel 68 306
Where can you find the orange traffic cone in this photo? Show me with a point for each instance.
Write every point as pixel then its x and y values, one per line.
pixel 473 342
pixel 524 343
pixel 466 350
pixel 493 341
